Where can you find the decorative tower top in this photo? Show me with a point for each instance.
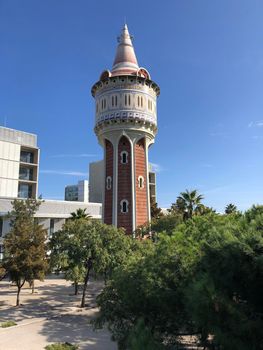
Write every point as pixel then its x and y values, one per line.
pixel 126 125
pixel 125 61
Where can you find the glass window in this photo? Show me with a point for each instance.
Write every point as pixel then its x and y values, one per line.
pixel 27 157
pixel 108 182
pixel 25 191
pixel 124 206
pixel 129 100
pixel 124 157
pixel 141 182
pixel 26 173
pixel 1 226
pixel 51 226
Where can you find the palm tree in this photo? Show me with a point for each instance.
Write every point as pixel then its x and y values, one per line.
pixel 190 203
pixel 80 214
pixel 230 209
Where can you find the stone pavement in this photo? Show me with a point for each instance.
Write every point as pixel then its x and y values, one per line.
pixel 52 314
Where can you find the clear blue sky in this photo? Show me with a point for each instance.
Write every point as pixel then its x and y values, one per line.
pixel 207 57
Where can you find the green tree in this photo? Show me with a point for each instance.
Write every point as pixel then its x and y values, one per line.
pixel 80 214
pixel 24 246
pixel 82 246
pixel 190 203
pixel 230 209
pixel 156 212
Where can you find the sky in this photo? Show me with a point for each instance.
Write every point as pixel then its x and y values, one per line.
pixel 206 56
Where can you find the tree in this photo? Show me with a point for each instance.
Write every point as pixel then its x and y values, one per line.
pixel 80 214
pixel 24 246
pixel 187 204
pixel 230 209
pixel 204 276
pixel 82 246
pixel 156 212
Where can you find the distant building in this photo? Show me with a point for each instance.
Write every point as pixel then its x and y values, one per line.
pixel 78 193
pixel 19 160
pixel 96 179
pixel 51 214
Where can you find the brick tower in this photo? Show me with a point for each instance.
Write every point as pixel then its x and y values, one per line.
pixel 126 125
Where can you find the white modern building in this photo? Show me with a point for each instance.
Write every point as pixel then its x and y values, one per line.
pixel 19 163
pixel 19 159
pixel 78 192
pixel 51 214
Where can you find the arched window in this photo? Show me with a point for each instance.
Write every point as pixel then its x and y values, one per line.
pixel 124 206
pixel 124 157
pixel 141 182
pixel 108 182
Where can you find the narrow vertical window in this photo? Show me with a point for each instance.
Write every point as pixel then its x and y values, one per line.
pixel 115 101
pixel 124 157
pixel 112 101
pixel 138 101
pixel 141 102
pixel 124 206
pixel 140 182
pixel 129 100
pixel 108 183
pixel 125 100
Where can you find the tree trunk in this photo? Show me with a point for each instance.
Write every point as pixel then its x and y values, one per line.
pixel 76 285
pixel 33 286
pixel 19 287
pixel 85 287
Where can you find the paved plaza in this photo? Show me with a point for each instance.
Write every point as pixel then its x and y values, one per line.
pixel 50 315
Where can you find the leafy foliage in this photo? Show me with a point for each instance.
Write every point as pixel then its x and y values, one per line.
pixel 7 324
pixel 81 243
pixel 24 245
pixel 203 275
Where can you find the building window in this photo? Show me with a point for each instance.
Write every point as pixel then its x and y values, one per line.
pixel 141 102
pixel 129 100
pixel 26 157
pixel 141 182
pixel 124 157
pixel 124 206
pixel 1 226
pixel 108 182
pixel 25 191
pixel 125 100
pixel 1 252
pixel 51 227
pixel 26 173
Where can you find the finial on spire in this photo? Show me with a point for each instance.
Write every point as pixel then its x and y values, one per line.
pixel 125 61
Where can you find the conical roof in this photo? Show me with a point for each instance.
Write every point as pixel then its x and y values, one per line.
pixel 125 61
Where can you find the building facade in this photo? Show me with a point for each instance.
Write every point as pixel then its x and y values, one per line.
pixel 79 192
pixel 126 125
pixel 96 182
pixel 51 214
pixel 19 159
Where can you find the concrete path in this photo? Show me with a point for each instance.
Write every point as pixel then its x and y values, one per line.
pixel 50 315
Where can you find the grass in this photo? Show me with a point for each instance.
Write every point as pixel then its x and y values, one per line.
pixel 61 346
pixel 7 324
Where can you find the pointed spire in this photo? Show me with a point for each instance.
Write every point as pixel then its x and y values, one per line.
pixel 125 61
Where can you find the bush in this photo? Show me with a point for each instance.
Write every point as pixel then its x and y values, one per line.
pixel 8 324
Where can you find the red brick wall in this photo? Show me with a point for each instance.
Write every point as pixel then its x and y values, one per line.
pixel 141 193
pixel 108 193
pixel 124 185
